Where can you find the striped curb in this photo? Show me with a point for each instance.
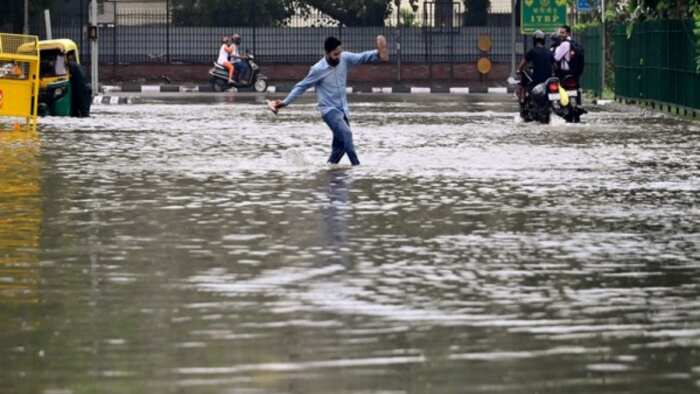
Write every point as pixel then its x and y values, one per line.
pixel 111 100
pixel 188 89
pixel 498 90
pixel 419 90
pixel 463 90
pixel 382 90
pixel 110 88
pixel 152 89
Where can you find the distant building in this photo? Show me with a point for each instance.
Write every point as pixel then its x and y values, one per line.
pixel 431 13
pixel 106 10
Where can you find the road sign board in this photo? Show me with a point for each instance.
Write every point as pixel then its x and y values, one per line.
pixel 545 15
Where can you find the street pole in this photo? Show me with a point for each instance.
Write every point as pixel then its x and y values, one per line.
pixel 25 29
pixel 398 39
pixel 47 22
pixel 512 37
pixel 94 59
pixel 81 51
pixel 602 37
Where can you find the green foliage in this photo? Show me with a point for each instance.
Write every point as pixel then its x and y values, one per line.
pixel 353 12
pixel 230 12
pixel 407 17
pixel 695 9
pixel 476 12
pixel 579 27
pixel 639 10
pixel 12 13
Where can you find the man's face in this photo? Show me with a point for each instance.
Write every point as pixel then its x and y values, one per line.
pixel 333 57
pixel 562 33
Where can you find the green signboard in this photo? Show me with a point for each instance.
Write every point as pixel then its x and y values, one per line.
pixel 545 15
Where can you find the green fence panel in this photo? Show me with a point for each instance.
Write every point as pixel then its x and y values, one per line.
pixel 657 62
pixel 592 78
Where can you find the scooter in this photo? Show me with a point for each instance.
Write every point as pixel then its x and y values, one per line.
pixel 247 75
pixel 539 100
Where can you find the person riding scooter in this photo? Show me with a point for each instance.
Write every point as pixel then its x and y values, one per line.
pixel 241 68
pixel 542 62
pixel 224 51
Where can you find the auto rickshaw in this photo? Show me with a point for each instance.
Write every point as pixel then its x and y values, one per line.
pixel 63 90
pixel 19 66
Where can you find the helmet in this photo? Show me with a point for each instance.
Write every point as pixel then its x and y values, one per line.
pixel 538 34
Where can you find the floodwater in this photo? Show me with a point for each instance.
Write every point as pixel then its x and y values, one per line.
pixel 203 246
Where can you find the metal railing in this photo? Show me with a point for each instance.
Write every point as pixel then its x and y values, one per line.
pixel 591 79
pixel 432 35
pixel 657 63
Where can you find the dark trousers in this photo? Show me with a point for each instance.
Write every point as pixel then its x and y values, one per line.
pixel 342 137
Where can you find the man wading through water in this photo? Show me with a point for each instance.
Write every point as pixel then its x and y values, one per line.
pixel 329 77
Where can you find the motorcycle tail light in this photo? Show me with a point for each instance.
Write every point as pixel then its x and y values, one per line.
pixel 553 87
pixel 570 84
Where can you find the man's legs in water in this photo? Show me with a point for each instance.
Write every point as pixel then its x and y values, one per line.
pixel 342 137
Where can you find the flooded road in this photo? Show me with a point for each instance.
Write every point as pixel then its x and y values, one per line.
pixel 203 246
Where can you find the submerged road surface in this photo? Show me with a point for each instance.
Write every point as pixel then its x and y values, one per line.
pixel 203 246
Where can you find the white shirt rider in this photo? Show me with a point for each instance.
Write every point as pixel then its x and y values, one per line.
pixel 563 54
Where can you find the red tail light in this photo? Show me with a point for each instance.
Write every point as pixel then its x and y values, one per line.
pixel 569 84
pixel 553 87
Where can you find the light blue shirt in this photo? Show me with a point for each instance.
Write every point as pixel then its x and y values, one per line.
pixel 330 82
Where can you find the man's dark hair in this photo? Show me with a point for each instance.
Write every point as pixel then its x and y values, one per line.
pixel 567 29
pixel 331 43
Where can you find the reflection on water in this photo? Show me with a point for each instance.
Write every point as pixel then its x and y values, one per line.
pixel 469 253
pixel 20 216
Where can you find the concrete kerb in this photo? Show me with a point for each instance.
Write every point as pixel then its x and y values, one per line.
pixel 108 98
pixel 189 88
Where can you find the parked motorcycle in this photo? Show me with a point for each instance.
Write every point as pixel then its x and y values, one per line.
pixel 247 75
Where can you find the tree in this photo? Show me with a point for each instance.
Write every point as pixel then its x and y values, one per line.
pixel 476 12
pixel 443 13
pixel 231 12
pixel 12 13
pixel 353 12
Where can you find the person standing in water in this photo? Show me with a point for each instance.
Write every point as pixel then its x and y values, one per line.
pixel 329 77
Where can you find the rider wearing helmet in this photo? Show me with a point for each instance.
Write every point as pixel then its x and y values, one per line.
pixel 542 61
pixel 540 58
pixel 235 57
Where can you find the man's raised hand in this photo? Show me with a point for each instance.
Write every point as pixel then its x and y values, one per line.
pixel 382 48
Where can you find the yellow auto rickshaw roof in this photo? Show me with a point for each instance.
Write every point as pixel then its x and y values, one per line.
pixel 63 44
pixel 12 45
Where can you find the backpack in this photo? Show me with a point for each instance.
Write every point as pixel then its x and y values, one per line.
pixel 578 58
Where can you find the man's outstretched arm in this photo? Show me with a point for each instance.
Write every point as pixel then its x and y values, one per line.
pixel 311 79
pixel 377 55
pixel 354 59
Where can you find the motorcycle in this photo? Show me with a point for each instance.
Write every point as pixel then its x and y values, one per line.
pixel 572 112
pixel 247 75
pixel 538 101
